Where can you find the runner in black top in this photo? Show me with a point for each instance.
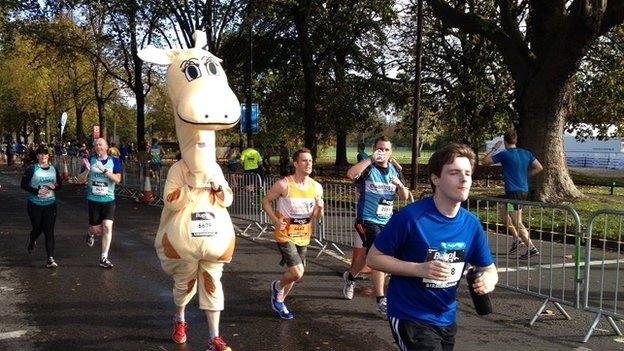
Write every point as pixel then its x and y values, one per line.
pixel 41 180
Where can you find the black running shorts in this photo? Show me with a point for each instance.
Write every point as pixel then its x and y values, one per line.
pixel 99 211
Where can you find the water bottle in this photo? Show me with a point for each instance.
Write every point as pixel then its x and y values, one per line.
pixel 441 255
pixel 482 303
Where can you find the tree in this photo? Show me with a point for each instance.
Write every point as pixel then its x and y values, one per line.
pixel 599 102
pixel 542 44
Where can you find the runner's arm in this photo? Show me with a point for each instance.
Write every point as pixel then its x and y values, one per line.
pixel 377 260
pixel 278 189
pixel 177 192
pixel 25 183
pixel 535 168
pixel 59 181
pixel 487 282
pixel 82 177
pixel 319 204
pixel 222 190
pixel 487 159
pixel 356 170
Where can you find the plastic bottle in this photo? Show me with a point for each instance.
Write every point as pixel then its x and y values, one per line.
pixel 482 303
pixel 442 257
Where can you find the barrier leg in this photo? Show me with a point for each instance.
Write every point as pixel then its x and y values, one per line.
pixel 562 310
pixel 592 327
pixel 537 314
pixel 614 326
pixel 262 230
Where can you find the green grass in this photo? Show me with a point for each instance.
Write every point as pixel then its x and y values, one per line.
pixel 401 154
pixel 597 198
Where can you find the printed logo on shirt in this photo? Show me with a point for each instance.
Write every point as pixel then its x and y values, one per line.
pixel 299 221
pixel 380 188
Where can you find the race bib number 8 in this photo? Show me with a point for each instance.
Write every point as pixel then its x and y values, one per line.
pixel 456 259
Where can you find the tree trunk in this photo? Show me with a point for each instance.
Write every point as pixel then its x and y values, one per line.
pixel 138 78
pixel 302 23
pixel 339 114
pixel 80 136
pixel 102 119
pixel 140 116
pixel 341 148
pixel 543 110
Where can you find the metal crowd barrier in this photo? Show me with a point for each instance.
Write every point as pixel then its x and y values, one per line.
pixel 602 268
pixel 554 275
pixel 248 191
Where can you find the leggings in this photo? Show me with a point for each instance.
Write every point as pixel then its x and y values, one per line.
pixel 42 219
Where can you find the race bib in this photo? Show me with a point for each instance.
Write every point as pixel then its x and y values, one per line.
pixel 298 227
pixel 99 188
pixel 455 257
pixel 47 195
pixel 203 224
pixel 384 208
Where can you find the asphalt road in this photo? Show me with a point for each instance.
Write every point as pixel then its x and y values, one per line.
pixel 80 306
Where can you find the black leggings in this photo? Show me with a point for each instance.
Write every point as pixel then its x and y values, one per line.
pixel 42 219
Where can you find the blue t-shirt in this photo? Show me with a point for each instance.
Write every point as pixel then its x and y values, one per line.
pixel 414 234
pixel 99 187
pixel 376 193
pixel 515 162
pixel 362 155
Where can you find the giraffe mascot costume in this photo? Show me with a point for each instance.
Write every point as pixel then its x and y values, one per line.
pixel 196 237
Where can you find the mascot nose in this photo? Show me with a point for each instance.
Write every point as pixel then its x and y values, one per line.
pixel 212 109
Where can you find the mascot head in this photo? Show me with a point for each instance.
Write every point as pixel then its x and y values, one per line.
pixel 200 95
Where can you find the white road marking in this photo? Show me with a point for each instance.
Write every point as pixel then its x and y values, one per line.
pixel 12 335
pixel 554 266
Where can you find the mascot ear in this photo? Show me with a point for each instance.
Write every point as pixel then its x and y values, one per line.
pixel 158 56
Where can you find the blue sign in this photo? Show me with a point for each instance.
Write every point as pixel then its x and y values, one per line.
pixel 255 113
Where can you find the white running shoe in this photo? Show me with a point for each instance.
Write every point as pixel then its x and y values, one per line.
pixel 349 286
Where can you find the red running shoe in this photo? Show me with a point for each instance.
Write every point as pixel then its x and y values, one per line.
pixel 179 332
pixel 218 344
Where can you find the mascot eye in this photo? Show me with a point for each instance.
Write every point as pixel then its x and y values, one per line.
pixel 192 72
pixel 212 68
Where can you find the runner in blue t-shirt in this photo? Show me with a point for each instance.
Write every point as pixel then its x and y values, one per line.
pixel 518 164
pixel 425 247
pixel 378 179
pixel 101 172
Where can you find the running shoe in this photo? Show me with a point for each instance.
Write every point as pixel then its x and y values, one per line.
pixel 382 306
pixel 31 246
pixel 51 263
pixel 530 253
pixel 514 246
pixel 90 240
pixel 179 332
pixel 349 286
pixel 218 344
pixel 278 306
pixel 105 263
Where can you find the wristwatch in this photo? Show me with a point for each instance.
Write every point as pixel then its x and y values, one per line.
pixel 105 170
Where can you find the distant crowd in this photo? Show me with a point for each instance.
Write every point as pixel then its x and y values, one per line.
pixel 17 151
